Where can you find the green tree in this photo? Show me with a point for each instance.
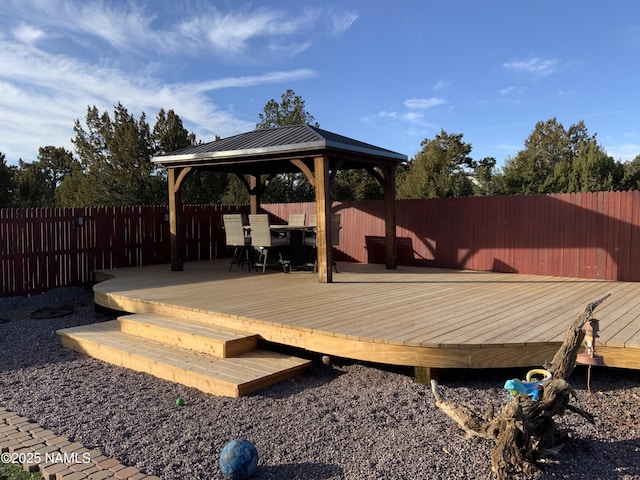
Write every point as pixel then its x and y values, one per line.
pixel 75 189
pixel 33 186
pixel 201 187
pixel 115 155
pixel 286 187
pixel 352 185
pixel 592 170
pixel 37 184
pixel 556 160
pixel 169 133
pixel 485 178
pixel 290 111
pixel 7 173
pixel 294 187
pixel 236 193
pixel 631 175
pixel 59 165
pixel 442 169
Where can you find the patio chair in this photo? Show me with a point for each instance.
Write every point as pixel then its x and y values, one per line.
pixel 297 219
pixel 311 240
pixel 310 235
pixel 263 240
pixel 237 238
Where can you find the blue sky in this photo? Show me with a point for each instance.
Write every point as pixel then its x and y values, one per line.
pixel 386 73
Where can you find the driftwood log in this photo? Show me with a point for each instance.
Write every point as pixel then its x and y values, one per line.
pixel 524 431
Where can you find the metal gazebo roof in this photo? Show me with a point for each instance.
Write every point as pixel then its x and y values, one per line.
pixel 273 148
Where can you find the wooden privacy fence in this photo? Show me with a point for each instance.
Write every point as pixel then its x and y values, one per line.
pixel 584 235
pixel 44 248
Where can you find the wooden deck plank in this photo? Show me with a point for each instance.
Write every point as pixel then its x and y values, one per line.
pixel 387 314
pixel 545 317
pixel 472 321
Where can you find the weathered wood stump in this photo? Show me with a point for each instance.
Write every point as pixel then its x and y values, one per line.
pixel 524 431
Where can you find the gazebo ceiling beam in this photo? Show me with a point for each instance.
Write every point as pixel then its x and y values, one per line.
pixel 306 170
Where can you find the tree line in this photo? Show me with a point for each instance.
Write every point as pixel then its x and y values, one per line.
pixel 112 165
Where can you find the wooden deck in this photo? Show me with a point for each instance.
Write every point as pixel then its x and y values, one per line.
pixel 411 316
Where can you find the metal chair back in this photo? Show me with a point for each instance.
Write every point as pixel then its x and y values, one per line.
pixel 335 229
pixel 297 219
pixel 234 233
pixel 260 231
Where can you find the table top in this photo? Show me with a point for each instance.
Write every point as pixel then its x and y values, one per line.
pixel 288 228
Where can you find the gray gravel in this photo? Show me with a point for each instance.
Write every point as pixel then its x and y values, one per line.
pixel 345 421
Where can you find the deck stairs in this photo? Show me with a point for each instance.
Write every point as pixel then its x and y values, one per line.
pixel 205 356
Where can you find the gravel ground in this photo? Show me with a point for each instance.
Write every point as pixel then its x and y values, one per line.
pixel 345 421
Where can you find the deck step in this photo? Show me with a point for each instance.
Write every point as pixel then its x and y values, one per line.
pixel 188 334
pixel 230 377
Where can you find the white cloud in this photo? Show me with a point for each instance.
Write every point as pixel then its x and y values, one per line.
pixel 625 152
pixel 271 77
pixel 137 30
pixel 423 103
pixel 124 29
pixel 233 33
pixel 535 66
pixel 341 22
pixel 27 34
pixel 99 53
pixel 413 117
pixel 54 90
pixel 441 85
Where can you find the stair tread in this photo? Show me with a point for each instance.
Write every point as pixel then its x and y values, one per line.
pixel 185 325
pixel 244 368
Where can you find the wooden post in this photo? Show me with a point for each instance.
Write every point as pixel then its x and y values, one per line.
pixel 254 194
pixel 175 213
pixel 323 229
pixel 422 375
pixel 390 216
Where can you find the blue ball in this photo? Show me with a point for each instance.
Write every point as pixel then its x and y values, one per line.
pixel 239 459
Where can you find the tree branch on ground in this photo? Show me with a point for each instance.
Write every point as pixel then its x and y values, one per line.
pixel 524 431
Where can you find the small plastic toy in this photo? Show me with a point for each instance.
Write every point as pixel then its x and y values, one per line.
pixel 530 388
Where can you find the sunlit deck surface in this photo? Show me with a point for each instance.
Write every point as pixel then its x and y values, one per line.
pixel 410 316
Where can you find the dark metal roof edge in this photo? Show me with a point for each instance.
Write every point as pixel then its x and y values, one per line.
pixel 374 151
pixel 240 153
pixel 326 141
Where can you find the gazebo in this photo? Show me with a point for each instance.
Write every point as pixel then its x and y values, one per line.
pixel 260 155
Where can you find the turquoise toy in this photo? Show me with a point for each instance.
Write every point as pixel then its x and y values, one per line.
pixel 528 388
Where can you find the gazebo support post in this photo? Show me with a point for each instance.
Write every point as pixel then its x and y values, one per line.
pixel 390 216
pixel 323 211
pixel 175 177
pixel 254 194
